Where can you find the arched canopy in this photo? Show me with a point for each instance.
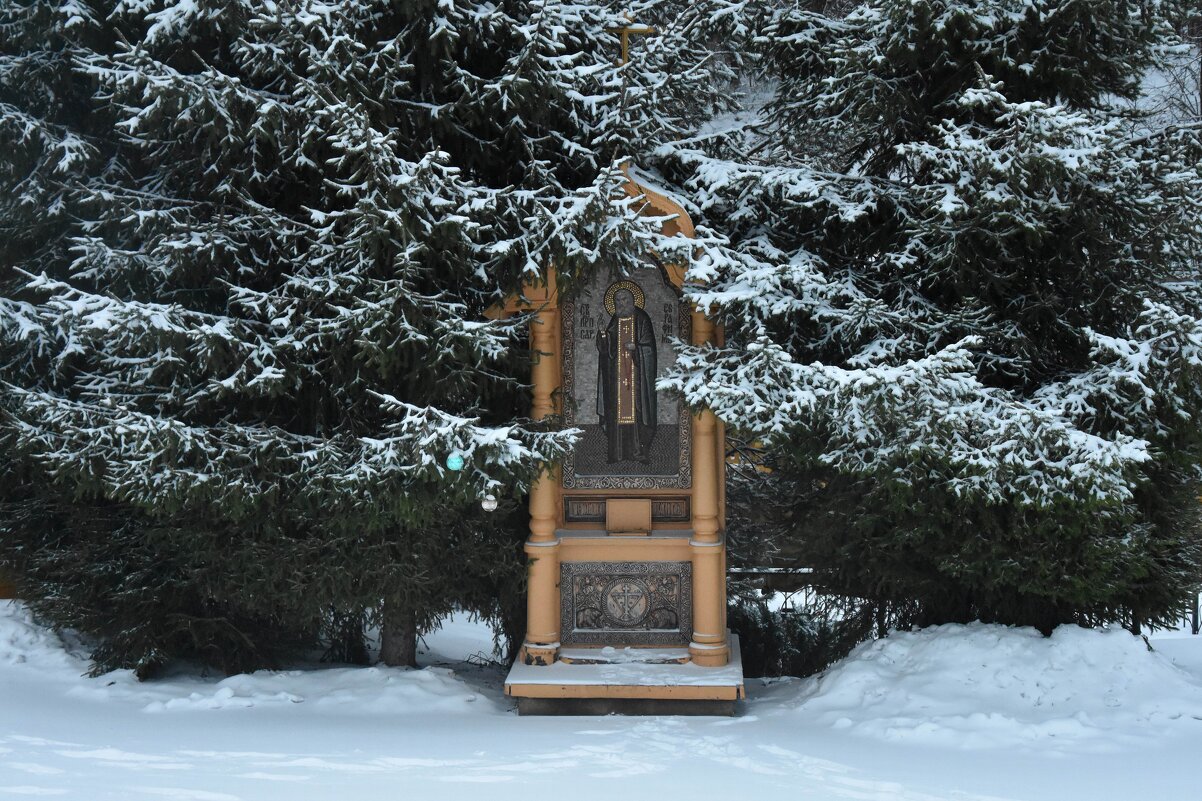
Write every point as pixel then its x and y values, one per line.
pixel 656 203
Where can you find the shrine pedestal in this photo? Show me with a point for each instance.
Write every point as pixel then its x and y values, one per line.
pixel 633 681
pixel 625 632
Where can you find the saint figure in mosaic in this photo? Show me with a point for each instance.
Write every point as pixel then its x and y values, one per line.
pixel 626 368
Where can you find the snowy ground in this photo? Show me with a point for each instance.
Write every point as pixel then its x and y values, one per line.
pixel 974 712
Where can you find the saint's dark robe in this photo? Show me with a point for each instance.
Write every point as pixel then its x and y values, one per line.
pixel 626 386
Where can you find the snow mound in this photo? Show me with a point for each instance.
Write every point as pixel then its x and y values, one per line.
pixel 985 686
pixel 360 691
pixel 24 642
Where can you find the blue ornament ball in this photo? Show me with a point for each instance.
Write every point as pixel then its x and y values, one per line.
pixel 455 462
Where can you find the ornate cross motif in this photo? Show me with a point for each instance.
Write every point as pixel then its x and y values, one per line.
pixel 627 598
pixel 626 601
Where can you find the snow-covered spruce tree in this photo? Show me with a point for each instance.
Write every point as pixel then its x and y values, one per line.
pixel 962 303
pixel 229 404
pixel 58 148
pixel 1175 90
pixel 51 142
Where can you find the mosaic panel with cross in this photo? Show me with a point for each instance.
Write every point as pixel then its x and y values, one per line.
pixel 626 603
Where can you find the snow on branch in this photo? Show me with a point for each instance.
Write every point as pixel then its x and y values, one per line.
pixel 923 418
pixel 228 469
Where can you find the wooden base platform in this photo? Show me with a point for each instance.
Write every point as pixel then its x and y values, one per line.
pixel 629 681
pixel 623 706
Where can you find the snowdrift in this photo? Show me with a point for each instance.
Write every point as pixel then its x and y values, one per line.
pixel 24 642
pixel 983 685
pixel 353 690
pixel 976 686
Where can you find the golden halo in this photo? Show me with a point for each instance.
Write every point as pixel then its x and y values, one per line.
pixel 630 286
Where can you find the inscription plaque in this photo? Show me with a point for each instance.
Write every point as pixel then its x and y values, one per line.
pixel 591 509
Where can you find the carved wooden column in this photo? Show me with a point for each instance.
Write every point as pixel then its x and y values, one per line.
pixel 542 549
pixel 709 646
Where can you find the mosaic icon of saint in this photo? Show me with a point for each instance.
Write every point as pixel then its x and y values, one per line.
pixel 626 369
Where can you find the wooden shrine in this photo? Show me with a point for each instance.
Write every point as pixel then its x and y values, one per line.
pixel 627 557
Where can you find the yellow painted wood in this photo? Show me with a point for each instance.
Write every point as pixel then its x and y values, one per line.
pixel 624 32
pixel 621 549
pixel 551 542
pixel 683 692
pixel 709 646
pixel 628 515
pixel 542 603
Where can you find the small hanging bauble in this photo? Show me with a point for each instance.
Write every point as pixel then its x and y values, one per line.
pixel 489 502
pixel 455 461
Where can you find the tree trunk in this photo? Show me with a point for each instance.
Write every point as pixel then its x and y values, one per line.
pixel 1136 623
pixel 398 635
